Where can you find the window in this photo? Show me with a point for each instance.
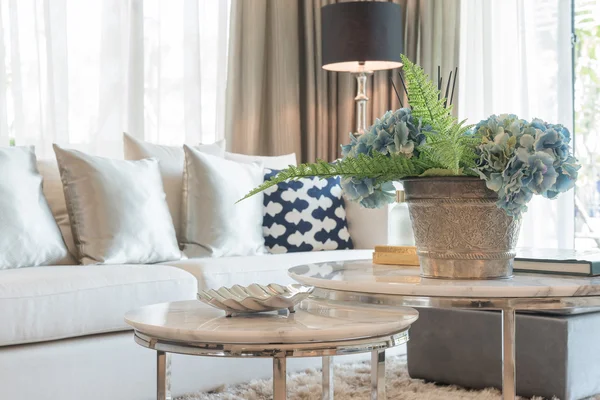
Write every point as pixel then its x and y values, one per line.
pixel 80 72
pixel 587 122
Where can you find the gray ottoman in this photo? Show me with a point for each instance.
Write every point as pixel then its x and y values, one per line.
pixel 555 355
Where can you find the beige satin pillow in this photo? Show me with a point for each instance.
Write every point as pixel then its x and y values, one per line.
pixel 29 235
pixel 171 160
pixel 53 191
pixel 117 209
pixel 213 224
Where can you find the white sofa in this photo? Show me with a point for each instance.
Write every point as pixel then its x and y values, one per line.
pixel 62 334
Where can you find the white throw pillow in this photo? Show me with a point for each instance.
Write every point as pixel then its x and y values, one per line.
pixel 171 160
pixel 29 235
pixel 213 224
pixel 270 162
pixel 117 209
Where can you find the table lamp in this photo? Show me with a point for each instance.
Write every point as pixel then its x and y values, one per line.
pixel 361 37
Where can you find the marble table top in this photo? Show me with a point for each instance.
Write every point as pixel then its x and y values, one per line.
pixel 313 321
pixel 365 277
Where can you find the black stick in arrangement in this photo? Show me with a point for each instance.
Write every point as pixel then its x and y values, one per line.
pixel 447 89
pixel 396 90
pixel 439 81
pixel 404 86
pixel 453 84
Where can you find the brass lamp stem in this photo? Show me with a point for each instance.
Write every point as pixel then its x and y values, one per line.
pixel 361 100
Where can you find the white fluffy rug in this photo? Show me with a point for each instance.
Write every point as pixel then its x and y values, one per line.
pixel 352 381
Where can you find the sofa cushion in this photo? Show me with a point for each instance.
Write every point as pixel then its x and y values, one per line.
pixel 304 214
pixel 117 209
pixel 171 160
pixel 29 235
pixel 213 224
pixel 54 302
pixel 263 269
pixel 53 191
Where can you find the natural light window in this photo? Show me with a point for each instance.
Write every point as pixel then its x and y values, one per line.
pixel 80 72
pixel 587 122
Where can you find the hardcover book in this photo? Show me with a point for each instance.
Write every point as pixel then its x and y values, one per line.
pixel 396 255
pixel 558 261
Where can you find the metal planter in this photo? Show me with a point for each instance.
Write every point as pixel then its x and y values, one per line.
pixel 459 231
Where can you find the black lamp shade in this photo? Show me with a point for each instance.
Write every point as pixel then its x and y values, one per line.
pixel 364 35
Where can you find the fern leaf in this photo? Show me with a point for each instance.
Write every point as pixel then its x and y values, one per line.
pixel 379 167
pixel 447 144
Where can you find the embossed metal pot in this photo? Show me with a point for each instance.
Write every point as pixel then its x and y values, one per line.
pixel 460 233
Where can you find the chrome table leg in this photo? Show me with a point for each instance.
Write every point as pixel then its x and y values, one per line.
pixel 163 376
pixel 509 388
pixel 378 375
pixel 279 377
pixel 327 378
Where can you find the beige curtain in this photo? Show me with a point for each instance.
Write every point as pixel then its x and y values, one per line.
pixel 280 100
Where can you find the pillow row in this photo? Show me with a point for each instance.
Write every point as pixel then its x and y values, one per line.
pixel 303 215
pixel 138 211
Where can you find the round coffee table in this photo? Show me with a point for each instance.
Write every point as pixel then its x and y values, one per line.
pixel 316 329
pixel 361 281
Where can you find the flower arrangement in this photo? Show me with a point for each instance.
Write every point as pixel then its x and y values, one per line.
pixel 515 158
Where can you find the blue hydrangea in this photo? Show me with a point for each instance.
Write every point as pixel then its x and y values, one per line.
pixel 518 159
pixel 396 132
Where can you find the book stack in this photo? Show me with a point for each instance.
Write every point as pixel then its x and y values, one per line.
pixel 396 255
pixel 558 261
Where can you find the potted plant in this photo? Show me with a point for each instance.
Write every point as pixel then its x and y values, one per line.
pixel 466 186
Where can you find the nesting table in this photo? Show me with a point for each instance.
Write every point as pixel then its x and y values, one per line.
pixel 362 281
pixel 318 328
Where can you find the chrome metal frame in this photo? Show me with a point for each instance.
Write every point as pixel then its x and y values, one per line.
pixel 163 375
pixel 327 378
pixel 508 306
pixel 279 352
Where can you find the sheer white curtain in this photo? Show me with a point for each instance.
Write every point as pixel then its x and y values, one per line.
pixel 80 72
pixel 515 57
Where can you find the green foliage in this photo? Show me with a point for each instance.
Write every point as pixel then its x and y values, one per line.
pixel 379 167
pixel 447 145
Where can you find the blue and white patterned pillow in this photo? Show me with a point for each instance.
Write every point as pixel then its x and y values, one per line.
pixel 305 215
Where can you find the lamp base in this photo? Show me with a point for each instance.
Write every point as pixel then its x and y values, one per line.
pixel 361 100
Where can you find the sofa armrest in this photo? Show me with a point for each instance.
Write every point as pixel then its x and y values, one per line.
pixel 368 227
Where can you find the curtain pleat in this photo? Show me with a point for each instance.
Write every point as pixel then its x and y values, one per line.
pixel 57 95
pixel 135 70
pixel 312 112
pixel 192 66
pixel 263 79
pixel 4 132
pixel 112 95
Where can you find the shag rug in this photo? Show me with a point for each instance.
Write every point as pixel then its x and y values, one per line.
pixel 352 381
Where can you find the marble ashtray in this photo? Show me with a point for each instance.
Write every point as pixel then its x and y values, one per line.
pixel 255 298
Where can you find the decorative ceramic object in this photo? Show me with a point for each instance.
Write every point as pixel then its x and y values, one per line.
pixel 459 231
pixel 255 298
